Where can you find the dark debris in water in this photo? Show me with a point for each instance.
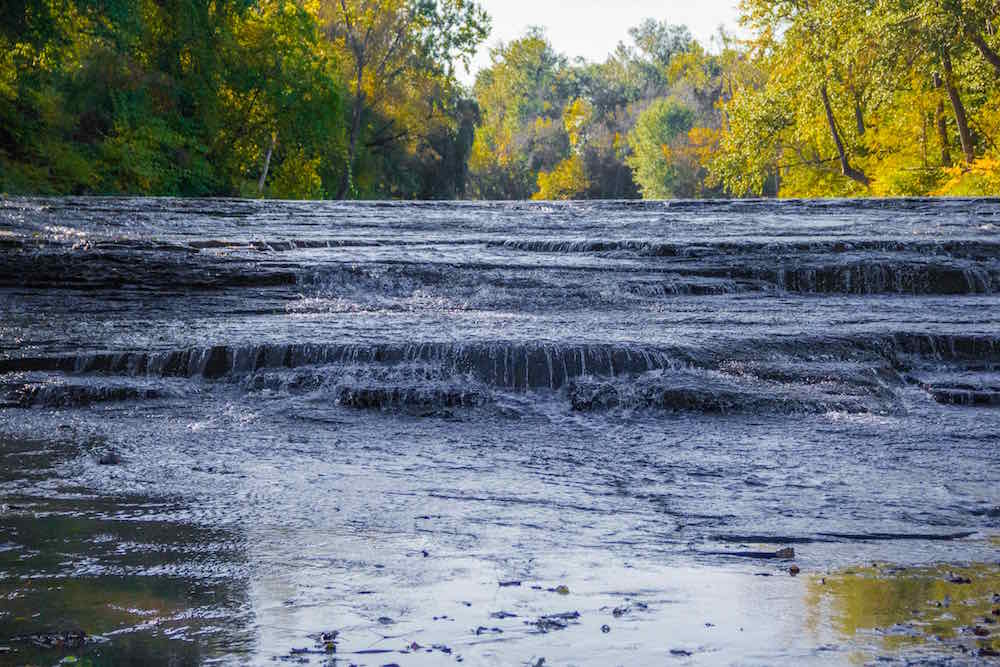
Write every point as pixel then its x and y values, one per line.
pixel 552 622
pixel 408 333
pixel 786 553
pixel 69 639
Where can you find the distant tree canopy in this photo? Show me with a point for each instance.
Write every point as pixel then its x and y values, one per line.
pixel 360 99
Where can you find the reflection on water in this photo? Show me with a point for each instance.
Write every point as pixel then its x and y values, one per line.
pixel 110 620
pixel 944 609
pixel 106 581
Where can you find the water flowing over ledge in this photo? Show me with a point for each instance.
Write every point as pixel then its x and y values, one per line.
pixel 382 412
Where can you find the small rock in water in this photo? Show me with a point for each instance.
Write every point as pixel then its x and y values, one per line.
pixel 502 615
pixel 788 553
pixel 385 620
pixel 110 459
pixel 618 612
pixel 794 570
pixel 425 553
pixel 980 631
pixel 679 652
pixel 605 628
pixel 561 589
pixel 508 584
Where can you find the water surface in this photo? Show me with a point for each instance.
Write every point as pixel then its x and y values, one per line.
pixel 366 418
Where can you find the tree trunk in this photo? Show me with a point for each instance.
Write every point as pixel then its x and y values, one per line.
pixel 352 148
pixel 942 128
pixel 267 163
pixel 956 103
pixel 845 165
pixel 991 56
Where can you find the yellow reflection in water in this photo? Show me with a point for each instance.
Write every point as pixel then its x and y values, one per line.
pixel 41 621
pixel 890 609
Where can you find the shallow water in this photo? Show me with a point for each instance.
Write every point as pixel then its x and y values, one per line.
pixel 364 418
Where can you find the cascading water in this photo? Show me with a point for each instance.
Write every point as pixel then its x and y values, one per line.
pixel 508 387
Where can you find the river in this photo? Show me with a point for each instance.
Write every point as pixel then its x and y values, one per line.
pixel 497 433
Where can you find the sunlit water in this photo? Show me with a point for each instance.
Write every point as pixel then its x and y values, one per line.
pixel 365 418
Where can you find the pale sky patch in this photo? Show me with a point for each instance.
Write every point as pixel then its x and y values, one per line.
pixel 592 28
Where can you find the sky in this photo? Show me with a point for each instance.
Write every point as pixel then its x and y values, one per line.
pixel 592 28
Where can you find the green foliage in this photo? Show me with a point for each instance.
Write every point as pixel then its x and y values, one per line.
pixel 400 56
pixel 521 97
pixel 359 98
pixel 552 129
pixel 297 177
pixel 655 139
pixel 845 98
pixel 181 97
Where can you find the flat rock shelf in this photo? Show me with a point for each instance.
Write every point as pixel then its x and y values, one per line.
pixel 732 432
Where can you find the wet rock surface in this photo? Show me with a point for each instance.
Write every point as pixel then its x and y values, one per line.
pixel 483 433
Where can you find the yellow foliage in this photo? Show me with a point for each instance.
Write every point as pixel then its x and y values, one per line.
pixel 858 601
pixel 297 178
pixel 980 179
pixel 8 71
pixel 703 142
pixel 567 181
pixel 542 123
pixel 618 144
pixel 575 119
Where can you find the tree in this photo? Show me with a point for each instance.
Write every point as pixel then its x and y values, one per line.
pixel 397 50
pixel 521 97
pixel 654 141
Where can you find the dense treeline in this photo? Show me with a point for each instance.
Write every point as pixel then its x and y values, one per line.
pixel 359 98
pixel 823 98
pixel 865 97
pixel 283 98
